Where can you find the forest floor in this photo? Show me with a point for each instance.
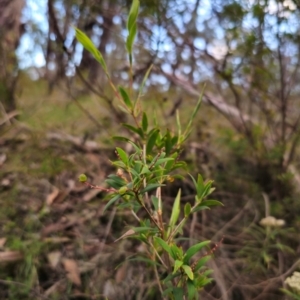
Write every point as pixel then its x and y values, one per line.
pixel 55 241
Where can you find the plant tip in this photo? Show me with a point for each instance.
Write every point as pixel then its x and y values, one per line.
pixel 82 178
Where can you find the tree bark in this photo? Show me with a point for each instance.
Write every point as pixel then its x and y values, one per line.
pixel 11 30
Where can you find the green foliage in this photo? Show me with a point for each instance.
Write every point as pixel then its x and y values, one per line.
pixel 142 173
pixel 262 245
pixel 89 46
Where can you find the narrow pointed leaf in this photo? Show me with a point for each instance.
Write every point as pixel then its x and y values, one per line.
pixel 111 202
pixel 212 203
pixel 188 271
pixel 175 211
pixel 154 201
pixel 193 250
pixel 123 156
pixel 162 243
pixel 139 131
pixel 151 141
pixel 125 97
pixel 178 293
pixel 201 262
pixel 163 160
pixel 133 13
pixel 144 122
pixel 151 187
pixel 191 290
pixel 89 46
pixel 196 109
pixel 187 209
pixel 177 265
pixel 130 39
pixel 144 82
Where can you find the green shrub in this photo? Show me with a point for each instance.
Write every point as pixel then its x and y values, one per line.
pixel 141 175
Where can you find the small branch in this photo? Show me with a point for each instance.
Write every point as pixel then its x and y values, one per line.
pixel 96 187
pixel 158 256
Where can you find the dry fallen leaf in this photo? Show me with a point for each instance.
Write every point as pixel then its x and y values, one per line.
pixel 10 256
pixel 71 267
pixel 2 242
pixel 54 258
pixel 2 158
pixel 121 273
pixel 51 197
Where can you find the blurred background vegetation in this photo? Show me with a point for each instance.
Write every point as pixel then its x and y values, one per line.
pixel 58 114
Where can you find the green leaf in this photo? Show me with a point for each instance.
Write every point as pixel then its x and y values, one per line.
pixel 131 26
pixel 199 207
pixel 175 212
pixel 115 181
pixel 133 13
pixel 143 82
pixel 207 272
pixel 111 201
pixel 178 293
pixel 179 164
pixel 119 164
pixel 121 138
pixel 201 262
pixel 207 190
pixel 163 160
pixel 187 209
pixel 170 277
pixel 89 46
pixel 130 40
pixel 193 250
pixel 155 201
pixel 188 271
pixel 174 140
pixel 197 184
pixel 145 170
pixel 168 142
pixel 112 183
pixel 170 163
pixel 136 147
pixel 123 155
pixel 139 131
pixel 177 265
pixel 145 122
pixel 179 229
pixel 200 182
pixel 196 109
pixel 151 141
pixel 212 203
pixel 142 259
pixel 162 243
pixel 151 187
pixel 200 187
pixel 175 252
pixel 137 165
pixel 191 290
pixel 125 97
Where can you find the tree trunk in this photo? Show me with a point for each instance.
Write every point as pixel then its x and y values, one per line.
pixel 11 30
